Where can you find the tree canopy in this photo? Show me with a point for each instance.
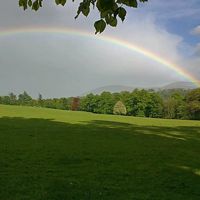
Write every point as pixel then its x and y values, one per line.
pixel 172 104
pixel 110 10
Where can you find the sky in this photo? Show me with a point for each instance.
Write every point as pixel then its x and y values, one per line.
pixel 62 65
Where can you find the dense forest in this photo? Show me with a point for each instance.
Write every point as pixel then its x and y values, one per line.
pixel 171 104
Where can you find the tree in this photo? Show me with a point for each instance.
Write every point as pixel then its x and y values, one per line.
pixel 109 10
pixel 180 105
pixel 193 103
pixel 154 105
pixel 40 97
pixel 13 98
pixel 175 105
pixel 24 99
pixel 75 104
pixel 136 103
pixel 169 108
pixel 104 103
pixel 193 95
pixel 119 109
pixel 5 100
pixel 88 103
pixel 40 100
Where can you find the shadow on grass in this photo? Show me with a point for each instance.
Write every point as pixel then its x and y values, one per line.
pixel 45 159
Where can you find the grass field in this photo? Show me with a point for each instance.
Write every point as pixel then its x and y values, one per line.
pixel 60 155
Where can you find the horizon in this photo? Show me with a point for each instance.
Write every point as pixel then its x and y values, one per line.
pixel 185 85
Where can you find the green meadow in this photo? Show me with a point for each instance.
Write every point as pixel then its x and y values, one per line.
pixel 48 154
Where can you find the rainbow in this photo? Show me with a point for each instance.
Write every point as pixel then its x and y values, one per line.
pixel 116 41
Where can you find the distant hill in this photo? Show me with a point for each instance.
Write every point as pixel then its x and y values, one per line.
pixel 179 85
pixel 111 88
pixel 119 88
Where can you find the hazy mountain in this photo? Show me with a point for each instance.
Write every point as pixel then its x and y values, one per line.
pixel 119 88
pixel 180 85
pixel 111 88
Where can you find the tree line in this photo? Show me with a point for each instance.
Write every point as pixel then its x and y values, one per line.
pixel 170 104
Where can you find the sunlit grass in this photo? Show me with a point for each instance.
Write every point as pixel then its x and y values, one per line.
pixel 52 154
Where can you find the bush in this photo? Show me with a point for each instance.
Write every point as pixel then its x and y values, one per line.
pixel 119 109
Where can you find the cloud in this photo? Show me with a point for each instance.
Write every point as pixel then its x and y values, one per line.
pixel 197 49
pixel 194 66
pixel 65 65
pixel 168 10
pixel 196 30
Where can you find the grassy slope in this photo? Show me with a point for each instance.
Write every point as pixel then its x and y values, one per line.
pixel 51 154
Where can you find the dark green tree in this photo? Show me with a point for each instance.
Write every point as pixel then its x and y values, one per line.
pixel 154 105
pixel 24 98
pixel 40 97
pixel 105 103
pixel 13 98
pixel 193 104
pixel 88 103
pixel 175 105
pixel 40 100
pixel 170 108
pixel 5 100
pixel 136 103
pixel 110 10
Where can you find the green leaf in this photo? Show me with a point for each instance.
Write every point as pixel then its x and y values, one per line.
pixel 104 5
pixel 84 7
pixel 104 14
pixel 86 11
pixel 40 3
pixel 108 9
pixel 23 3
pixel 63 2
pixel 133 3
pixel 122 13
pixel 58 2
pixel 100 26
pixel 113 21
pixel 30 3
pixel 35 5
pixel 130 3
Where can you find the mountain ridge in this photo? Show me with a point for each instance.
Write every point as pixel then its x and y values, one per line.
pixel 119 88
